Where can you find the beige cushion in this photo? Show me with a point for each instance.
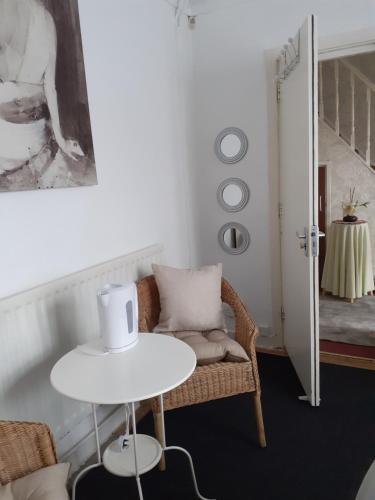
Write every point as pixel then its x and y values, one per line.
pixel 206 352
pixel 213 346
pixel 44 484
pixel 189 300
pixel 233 350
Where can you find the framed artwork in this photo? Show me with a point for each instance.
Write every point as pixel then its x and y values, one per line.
pixel 45 130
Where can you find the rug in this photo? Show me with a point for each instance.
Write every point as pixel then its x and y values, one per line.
pixel 341 321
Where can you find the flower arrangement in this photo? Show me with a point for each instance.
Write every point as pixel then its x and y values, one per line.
pixel 351 206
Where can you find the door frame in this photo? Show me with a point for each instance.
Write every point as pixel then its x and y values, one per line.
pixel 328 165
pixel 330 47
pixel 346 44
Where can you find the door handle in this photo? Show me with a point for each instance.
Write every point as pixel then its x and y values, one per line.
pixel 321 234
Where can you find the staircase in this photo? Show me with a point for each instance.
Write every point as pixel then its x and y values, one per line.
pixel 347 106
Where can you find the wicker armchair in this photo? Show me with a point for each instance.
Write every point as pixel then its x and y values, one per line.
pixel 213 381
pixel 24 448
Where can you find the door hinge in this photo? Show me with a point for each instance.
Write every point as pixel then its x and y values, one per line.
pixel 282 313
pixel 281 211
pixel 278 91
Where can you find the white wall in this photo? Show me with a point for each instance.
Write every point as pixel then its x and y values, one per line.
pixel 135 60
pixel 132 70
pixel 230 88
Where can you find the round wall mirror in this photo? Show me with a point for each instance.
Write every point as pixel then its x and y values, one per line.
pixel 231 145
pixel 234 238
pixel 233 194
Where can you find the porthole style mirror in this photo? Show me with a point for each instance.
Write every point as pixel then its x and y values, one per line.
pixel 231 145
pixel 234 238
pixel 233 194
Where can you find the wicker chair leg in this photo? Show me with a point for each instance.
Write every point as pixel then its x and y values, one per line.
pixel 259 419
pixel 158 423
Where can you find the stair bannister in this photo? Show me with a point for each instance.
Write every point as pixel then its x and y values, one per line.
pixel 354 74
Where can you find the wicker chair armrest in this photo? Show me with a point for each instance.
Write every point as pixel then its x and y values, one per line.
pixel 245 328
pixel 24 448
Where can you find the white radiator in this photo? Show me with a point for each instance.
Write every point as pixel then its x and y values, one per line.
pixel 40 325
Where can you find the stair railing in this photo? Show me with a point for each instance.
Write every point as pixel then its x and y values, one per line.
pixel 368 157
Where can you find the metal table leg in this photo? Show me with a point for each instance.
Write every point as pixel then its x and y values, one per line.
pixel 98 455
pixel 178 448
pixel 137 476
pixel 135 453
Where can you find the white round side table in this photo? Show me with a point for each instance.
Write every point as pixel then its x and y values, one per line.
pixel 154 366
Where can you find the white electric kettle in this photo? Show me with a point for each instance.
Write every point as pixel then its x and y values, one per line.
pixel 118 315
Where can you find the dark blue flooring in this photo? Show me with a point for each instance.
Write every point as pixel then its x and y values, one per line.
pixel 312 453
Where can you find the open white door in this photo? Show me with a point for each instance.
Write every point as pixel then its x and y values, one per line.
pixel 298 128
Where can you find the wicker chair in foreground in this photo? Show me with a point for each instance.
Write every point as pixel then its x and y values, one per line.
pixel 213 381
pixel 24 448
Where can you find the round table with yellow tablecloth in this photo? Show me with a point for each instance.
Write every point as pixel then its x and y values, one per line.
pixel 348 264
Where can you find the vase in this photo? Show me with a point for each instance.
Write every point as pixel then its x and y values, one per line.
pixel 349 213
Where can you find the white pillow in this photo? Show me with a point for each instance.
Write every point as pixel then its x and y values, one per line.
pixel 48 483
pixel 189 299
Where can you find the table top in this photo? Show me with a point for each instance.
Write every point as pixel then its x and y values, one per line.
pixel 344 223
pixel 156 364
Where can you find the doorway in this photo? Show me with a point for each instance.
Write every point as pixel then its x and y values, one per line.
pixel 297 97
pixel 346 183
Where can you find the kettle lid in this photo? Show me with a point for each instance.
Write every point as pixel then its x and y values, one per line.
pixel 113 287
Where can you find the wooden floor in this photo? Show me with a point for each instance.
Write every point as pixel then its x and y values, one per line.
pixel 356 350
pixel 345 360
pixel 329 357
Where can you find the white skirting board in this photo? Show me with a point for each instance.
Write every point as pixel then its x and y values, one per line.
pixel 39 326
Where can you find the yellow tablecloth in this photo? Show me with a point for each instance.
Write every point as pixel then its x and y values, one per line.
pixel 348 264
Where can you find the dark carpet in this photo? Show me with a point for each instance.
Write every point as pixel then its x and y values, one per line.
pixel 312 454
